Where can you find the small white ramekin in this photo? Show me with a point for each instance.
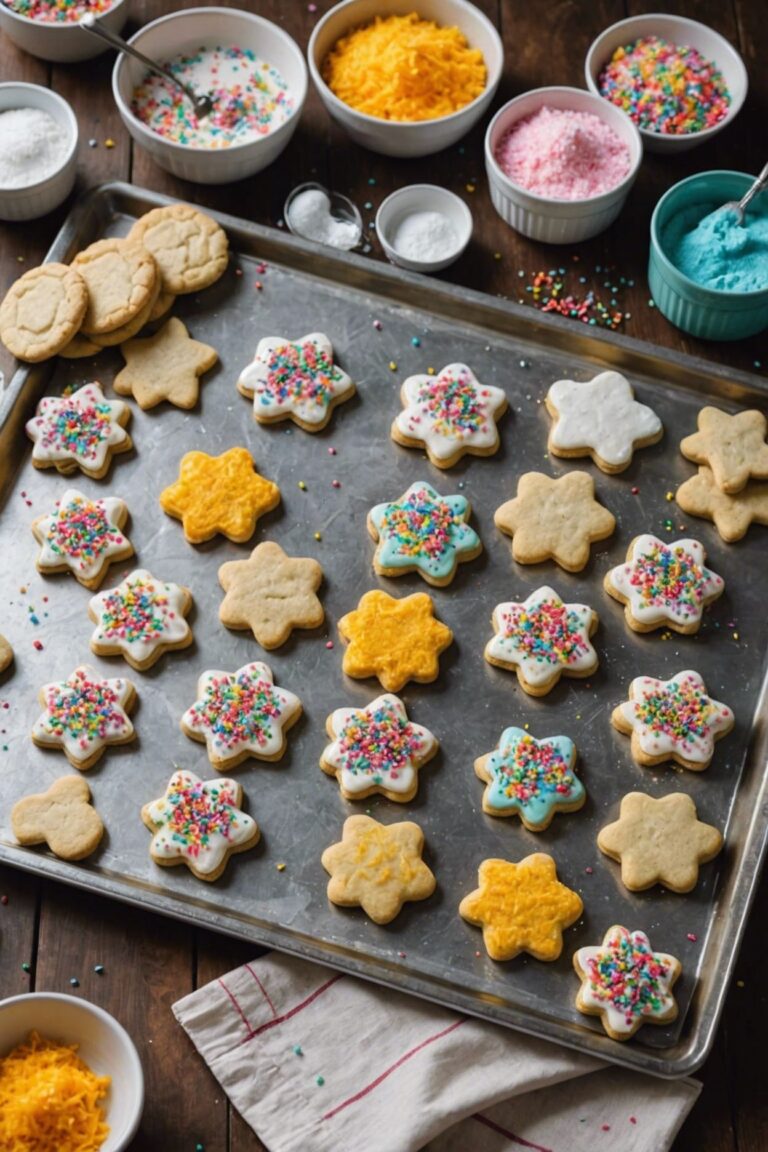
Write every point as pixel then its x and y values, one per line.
pixel 423 198
pixel 62 43
pixel 683 32
pixel 33 200
pixel 539 217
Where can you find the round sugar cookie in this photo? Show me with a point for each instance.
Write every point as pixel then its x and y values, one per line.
pixel 42 311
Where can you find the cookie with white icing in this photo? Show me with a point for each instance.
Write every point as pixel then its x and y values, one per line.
pixel 423 532
pixel 664 585
pixel 530 778
pixel 600 418
pixel 449 415
pixel 83 715
pixel 84 430
pixel 82 536
pixel 140 618
pixel 295 380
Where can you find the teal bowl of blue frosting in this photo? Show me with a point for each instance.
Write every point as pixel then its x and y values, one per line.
pixel 707 273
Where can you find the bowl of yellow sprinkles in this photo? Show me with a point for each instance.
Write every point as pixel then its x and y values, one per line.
pixel 406 77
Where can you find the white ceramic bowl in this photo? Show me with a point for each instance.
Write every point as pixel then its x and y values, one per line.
pixel 103 1044
pixel 399 137
pixel 684 32
pixel 186 31
pixel 539 217
pixel 423 198
pixel 61 43
pixel 35 200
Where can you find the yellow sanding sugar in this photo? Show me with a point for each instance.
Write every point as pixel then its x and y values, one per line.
pixel 405 68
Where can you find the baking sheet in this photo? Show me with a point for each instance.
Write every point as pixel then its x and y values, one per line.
pixel 427 949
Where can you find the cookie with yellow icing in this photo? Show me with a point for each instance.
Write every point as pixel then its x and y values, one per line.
pixel 394 640
pixel 219 494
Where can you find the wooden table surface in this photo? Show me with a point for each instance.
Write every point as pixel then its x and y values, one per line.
pixel 149 962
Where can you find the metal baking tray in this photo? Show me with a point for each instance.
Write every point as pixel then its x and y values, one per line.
pixel 427 950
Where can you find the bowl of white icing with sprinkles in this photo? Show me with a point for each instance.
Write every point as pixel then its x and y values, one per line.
pixel 38 151
pixel 254 73
pixel 49 28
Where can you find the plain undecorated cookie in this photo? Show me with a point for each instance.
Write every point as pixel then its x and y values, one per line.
pixel 190 248
pixel 6 654
pixel 733 447
pixel 555 519
pixel 121 277
pixel 43 311
pixel 166 366
pixel 63 818
pixel 271 593
pixel 731 515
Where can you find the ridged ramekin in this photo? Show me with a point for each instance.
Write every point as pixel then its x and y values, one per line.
pixel 709 313
pixel 34 200
pixel 540 217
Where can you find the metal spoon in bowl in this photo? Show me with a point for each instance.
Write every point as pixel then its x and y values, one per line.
pixel 201 105
pixel 740 207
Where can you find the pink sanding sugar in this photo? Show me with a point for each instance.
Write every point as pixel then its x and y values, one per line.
pixel 564 155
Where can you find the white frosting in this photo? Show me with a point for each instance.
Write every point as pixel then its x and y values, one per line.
pixel 386 774
pixel 601 414
pixel 170 843
pixel 436 426
pixel 684 601
pixel 258 380
pixel 669 698
pixel 86 565
pixel 167 603
pixel 50 446
pixel 615 1017
pixel 539 662
pixel 84 713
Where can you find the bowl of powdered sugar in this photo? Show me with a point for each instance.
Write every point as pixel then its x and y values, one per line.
pixel 423 227
pixel 38 151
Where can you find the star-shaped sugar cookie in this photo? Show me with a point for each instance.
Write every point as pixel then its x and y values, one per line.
pixel 140 618
pixel 626 983
pixel 395 640
pixel 600 418
pixel 530 778
pixel 423 532
pixel 83 715
pixel 271 593
pixel 659 842
pixel 542 639
pixel 83 537
pixel 554 519
pixel 449 415
pixel 672 720
pixel 732 515
pixel 377 867
pixel 83 430
pixel 62 817
pixel 166 366
pixel 241 714
pixel 377 749
pixel 219 494
pixel 664 585
pixel 733 447
pixel 521 907
pixel 295 380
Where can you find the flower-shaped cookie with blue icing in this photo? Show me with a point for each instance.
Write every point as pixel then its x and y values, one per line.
pixel 530 778
pixel 423 532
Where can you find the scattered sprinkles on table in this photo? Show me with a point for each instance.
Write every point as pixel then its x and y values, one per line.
pixel 664 87
pixel 626 982
pixel 425 531
pixel 250 98
pixel 665 583
pixel 57 11
pixel 532 777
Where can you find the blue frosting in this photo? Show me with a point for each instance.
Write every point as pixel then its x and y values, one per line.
pixel 710 247
pixel 531 776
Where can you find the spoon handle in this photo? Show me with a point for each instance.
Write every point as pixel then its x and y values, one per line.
pixel 752 191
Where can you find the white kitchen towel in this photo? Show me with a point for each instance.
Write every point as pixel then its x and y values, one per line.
pixel 316 1061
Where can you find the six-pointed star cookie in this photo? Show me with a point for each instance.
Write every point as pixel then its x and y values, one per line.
pixel 200 824
pixel 732 515
pixel 659 842
pixel 600 418
pixel 521 907
pixel 733 447
pixel 449 415
pixel 166 366
pixel 241 714
pixel 530 778
pixel 219 494
pixel 664 585
pixel 395 640
pixel 554 519
pixel 626 983
pixel 82 536
pixel 672 720
pixel 542 639
pixel 377 749
pixel 83 714
pixel 296 380
pixel 271 593
pixel 82 431
pixel 140 619
pixel 62 817
pixel 423 532
pixel 377 867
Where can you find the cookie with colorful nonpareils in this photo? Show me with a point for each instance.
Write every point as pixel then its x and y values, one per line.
pixel 423 532
pixel 530 778
pixel 664 585
pixel 81 430
pixel 84 715
pixel 295 380
pixel 140 619
pixel 449 415
pixel 82 536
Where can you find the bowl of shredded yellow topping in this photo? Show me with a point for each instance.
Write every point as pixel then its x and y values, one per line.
pixel 70 1077
pixel 406 82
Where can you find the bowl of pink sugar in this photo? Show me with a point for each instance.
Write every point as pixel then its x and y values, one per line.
pixel 560 163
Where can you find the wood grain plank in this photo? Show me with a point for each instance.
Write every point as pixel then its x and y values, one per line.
pixel 19 900
pixel 98 120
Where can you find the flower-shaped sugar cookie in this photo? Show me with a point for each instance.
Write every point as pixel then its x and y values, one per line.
pixel 63 818
pixel 542 639
pixel 378 867
pixel 626 983
pixel 219 494
pixel 83 537
pixel 200 824
pixel 530 778
pixel 554 519
pixel 83 715
pixel 449 415
pixel 271 593
pixel 83 430
pixel 732 515
pixel 377 749
pixel 295 380
pixel 395 640
pixel 600 418
pixel 241 714
pixel 664 585
pixel 423 532
pixel 672 720
pixel 165 366
pixel 733 447
pixel 140 619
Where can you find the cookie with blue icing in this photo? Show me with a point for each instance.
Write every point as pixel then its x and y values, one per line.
pixel 530 778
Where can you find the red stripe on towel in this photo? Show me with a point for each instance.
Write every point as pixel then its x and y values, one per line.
pixel 236 1006
pixel 293 1011
pixel 264 992
pixel 509 1135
